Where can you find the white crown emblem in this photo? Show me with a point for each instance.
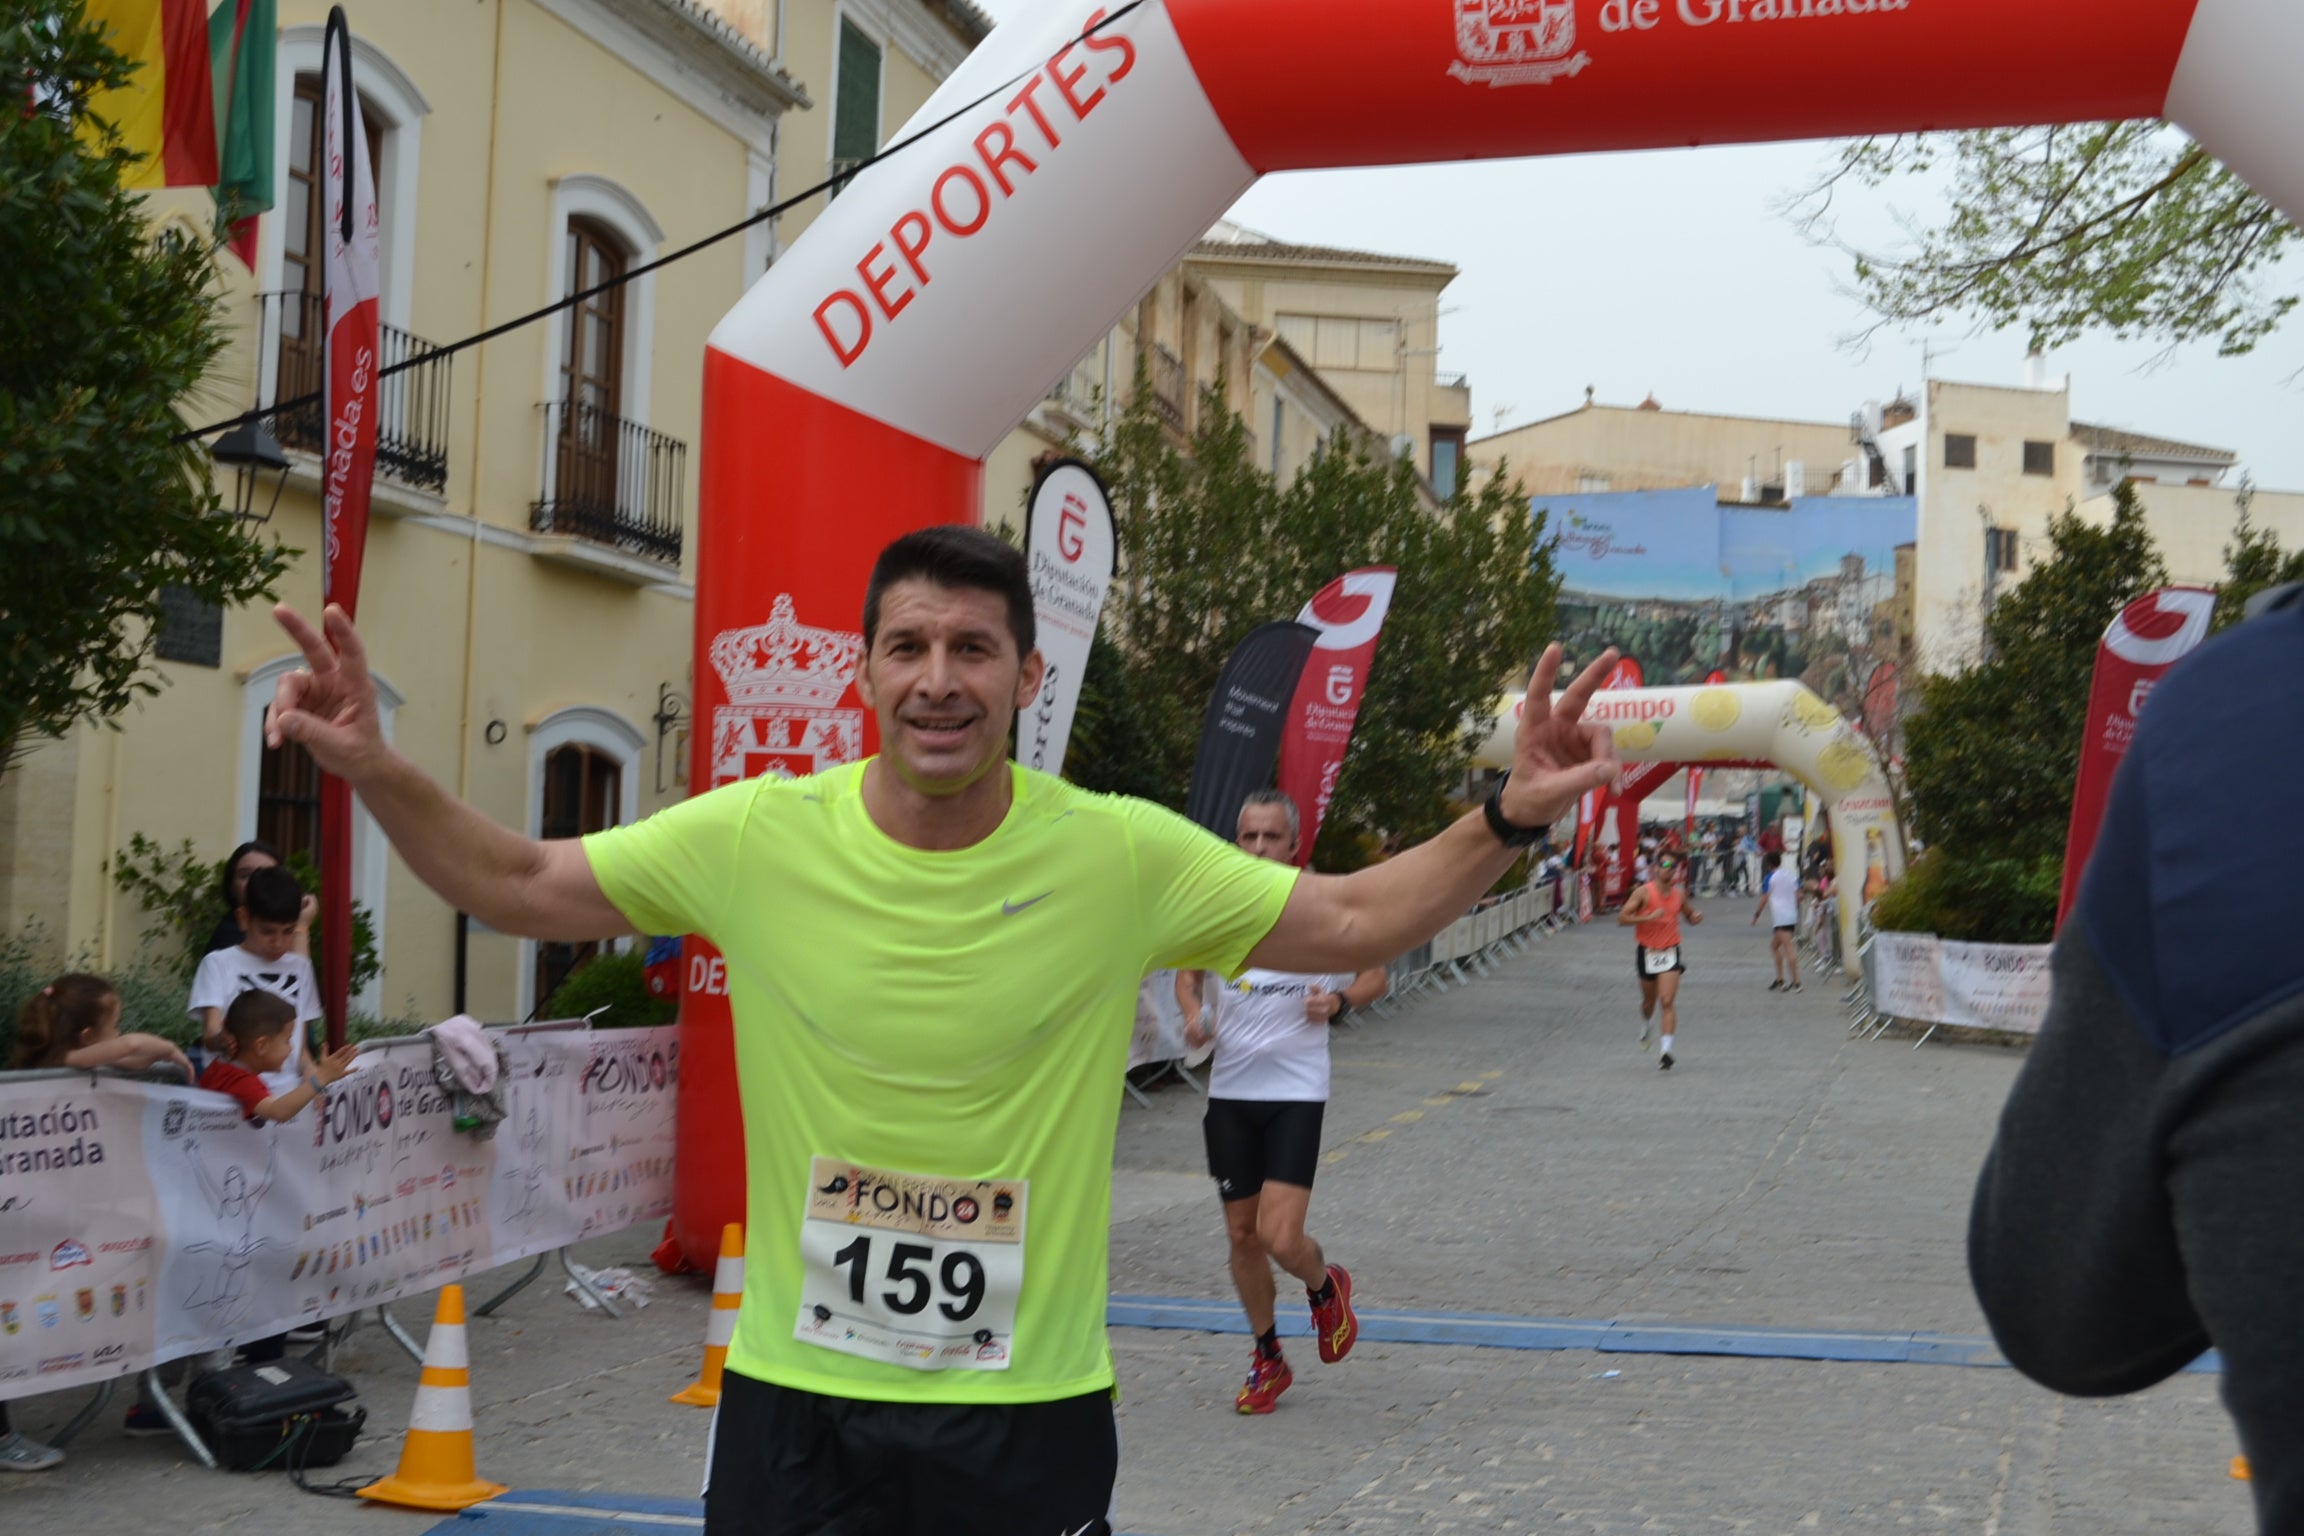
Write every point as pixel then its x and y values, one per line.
pixel 785 662
pixel 1516 42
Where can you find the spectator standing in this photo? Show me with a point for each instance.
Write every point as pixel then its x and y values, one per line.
pixel 232 886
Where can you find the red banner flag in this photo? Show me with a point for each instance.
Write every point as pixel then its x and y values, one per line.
pixel 1349 614
pixel 2151 635
pixel 349 461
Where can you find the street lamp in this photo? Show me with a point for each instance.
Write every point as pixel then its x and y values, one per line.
pixel 252 452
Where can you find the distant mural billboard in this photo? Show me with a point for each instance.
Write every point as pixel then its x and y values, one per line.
pixel 1815 590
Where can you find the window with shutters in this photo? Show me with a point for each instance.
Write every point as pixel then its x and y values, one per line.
pixel 288 800
pixel 855 98
pixel 1959 450
pixel 2039 458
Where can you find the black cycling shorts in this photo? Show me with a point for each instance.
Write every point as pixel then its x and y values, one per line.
pixel 1251 1140
pixel 790 1463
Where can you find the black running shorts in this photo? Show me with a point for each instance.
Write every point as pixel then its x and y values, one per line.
pixel 1640 964
pixel 791 1463
pixel 1251 1140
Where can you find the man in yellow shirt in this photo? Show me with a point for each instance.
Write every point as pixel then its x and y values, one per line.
pixel 933 958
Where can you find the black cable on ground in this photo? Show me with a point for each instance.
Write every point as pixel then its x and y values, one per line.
pixel 771 211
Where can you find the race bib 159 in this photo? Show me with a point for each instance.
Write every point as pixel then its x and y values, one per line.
pixel 909 1268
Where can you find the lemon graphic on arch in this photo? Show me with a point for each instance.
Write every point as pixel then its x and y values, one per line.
pixel 1716 709
pixel 1813 713
pixel 1637 738
pixel 1843 765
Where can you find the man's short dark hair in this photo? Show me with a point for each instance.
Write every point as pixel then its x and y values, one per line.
pixel 954 556
pixel 257 1015
pixel 273 896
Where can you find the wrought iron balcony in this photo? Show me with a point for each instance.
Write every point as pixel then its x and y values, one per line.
pixel 611 481
pixel 411 405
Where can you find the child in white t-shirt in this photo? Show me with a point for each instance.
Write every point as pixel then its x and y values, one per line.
pixel 264 960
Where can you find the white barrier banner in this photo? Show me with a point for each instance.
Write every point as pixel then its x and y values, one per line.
pixel 1908 975
pixel 1943 981
pixel 1996 986
pixel 141 1223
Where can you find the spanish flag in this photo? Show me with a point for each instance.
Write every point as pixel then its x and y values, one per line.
pixel 167 111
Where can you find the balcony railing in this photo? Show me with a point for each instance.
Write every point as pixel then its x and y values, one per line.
pixel 611 481
pixel 411 405
pixel 1448 381
pixel 1168 388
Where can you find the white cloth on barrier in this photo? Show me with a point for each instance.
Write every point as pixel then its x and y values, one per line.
pixel 1943 981
pixel 141 1223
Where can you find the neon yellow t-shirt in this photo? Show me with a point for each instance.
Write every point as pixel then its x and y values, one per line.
pixel 929 1053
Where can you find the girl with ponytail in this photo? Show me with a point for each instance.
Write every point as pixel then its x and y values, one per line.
pixel 74 1021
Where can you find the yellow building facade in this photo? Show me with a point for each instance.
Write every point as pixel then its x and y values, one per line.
pixel 527 597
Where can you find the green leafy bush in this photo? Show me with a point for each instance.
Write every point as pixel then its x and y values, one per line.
pixel 2001 901
pixel 618 982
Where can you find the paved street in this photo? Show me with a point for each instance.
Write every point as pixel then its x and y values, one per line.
pixel 1505 1149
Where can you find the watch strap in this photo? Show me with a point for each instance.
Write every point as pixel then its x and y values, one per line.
pixel 1507 832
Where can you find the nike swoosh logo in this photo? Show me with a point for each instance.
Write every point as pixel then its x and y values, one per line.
pixel 1011 908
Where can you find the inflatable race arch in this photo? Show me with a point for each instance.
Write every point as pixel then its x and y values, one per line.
pixel 1781 723
pixel 852 394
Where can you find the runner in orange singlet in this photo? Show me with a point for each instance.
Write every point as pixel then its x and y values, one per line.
pixel 1655 910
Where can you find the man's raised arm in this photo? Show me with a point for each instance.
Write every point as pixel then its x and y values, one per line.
pixel 1352 922
pixel 514 884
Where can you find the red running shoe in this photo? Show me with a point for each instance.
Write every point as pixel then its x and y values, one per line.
pixel 1334 1320
pixel 1267 1379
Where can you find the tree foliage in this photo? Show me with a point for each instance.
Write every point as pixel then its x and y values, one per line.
pixel 1211 546
pixel 105 326
pixel 2129 227
pixel 2253 561
pixel 1991 755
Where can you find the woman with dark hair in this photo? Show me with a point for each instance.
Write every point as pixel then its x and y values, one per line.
pixel 232 886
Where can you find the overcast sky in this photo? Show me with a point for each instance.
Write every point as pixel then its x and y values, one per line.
pixel 1672 272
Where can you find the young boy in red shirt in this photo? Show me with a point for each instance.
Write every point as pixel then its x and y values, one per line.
pixel 259 1037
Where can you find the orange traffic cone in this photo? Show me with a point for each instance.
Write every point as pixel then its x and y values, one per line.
pixel 720 1326
pixel 2240 1468
pixel 436 1470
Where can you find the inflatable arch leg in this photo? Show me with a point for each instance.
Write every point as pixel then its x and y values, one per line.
pixel 854 392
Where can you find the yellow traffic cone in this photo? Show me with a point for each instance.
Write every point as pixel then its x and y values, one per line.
pixel 436 1470
pixel 2240 1469
pixel 720 1326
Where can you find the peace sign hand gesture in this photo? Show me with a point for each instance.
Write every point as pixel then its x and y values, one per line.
pixel 328 706
pixel 1556 757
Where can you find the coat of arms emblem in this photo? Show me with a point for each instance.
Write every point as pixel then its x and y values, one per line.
pixel 785 680
pixel 1516 42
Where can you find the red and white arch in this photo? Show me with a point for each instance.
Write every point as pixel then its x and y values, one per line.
pixel 854 391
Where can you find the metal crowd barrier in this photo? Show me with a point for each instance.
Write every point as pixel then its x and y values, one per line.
pixel 336 1330
pixel 1475 944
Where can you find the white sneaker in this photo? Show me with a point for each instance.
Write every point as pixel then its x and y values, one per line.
pixel 20 1453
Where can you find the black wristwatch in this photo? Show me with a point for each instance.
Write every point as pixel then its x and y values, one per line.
pixel 1507 832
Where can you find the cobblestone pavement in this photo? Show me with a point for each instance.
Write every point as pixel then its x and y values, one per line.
pixel 1506 1148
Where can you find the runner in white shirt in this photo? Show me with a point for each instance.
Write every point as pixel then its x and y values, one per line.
pixel 1266 1095
pixel 1780 899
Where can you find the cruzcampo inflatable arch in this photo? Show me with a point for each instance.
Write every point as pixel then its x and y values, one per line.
pixel 1782 723
pixel 854 391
